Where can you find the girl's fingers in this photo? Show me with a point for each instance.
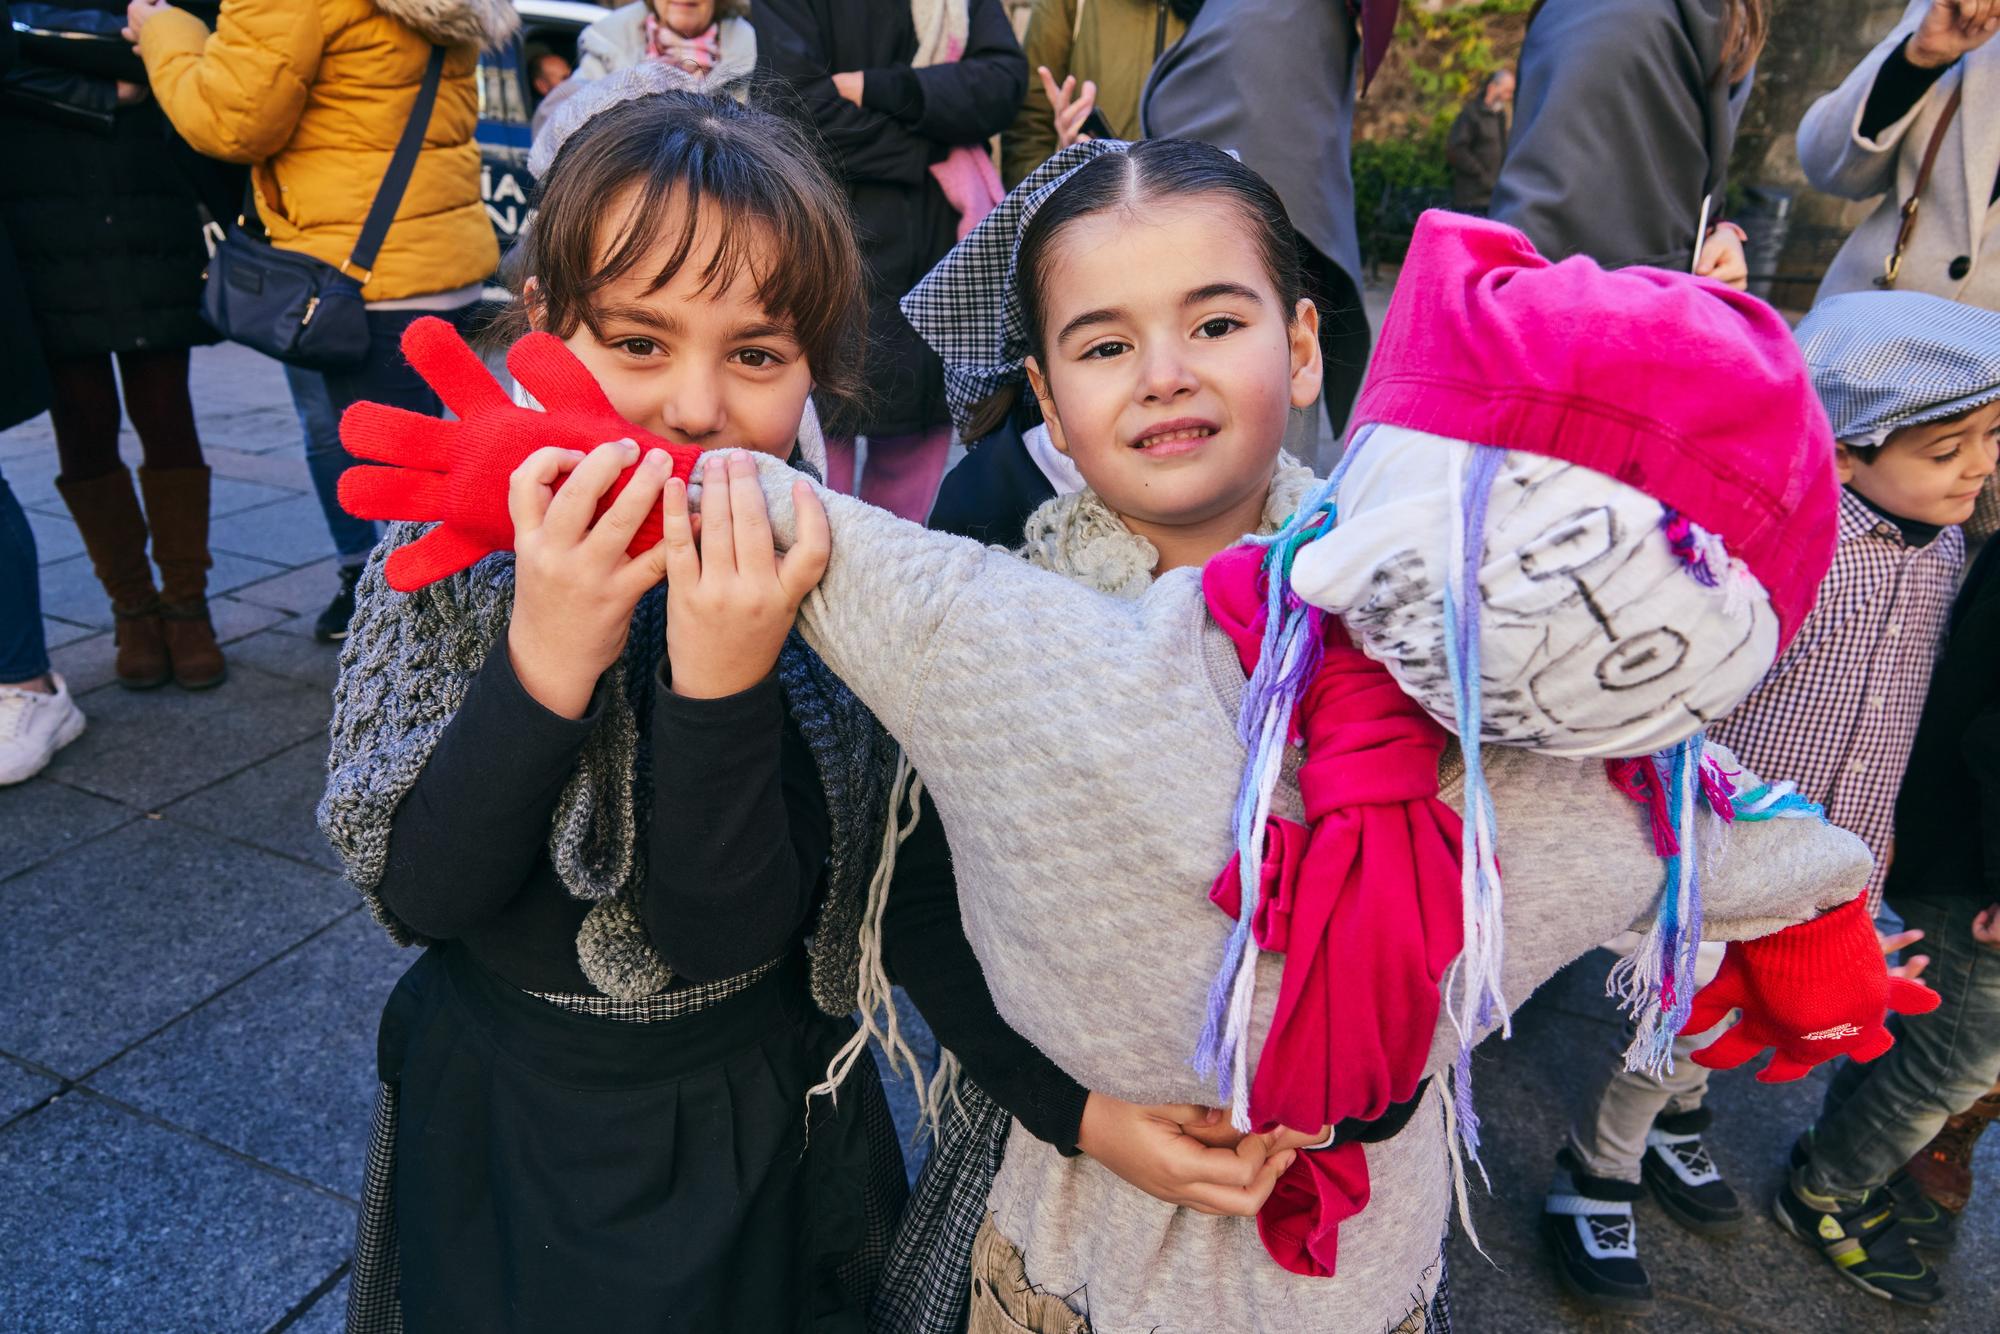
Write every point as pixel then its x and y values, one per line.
pixel 718 540
pixel 615 527
pixel 677 536
pixel 1049 85
pixel 569 514
pixel 532 485
pixel 801 568
pixel 747 516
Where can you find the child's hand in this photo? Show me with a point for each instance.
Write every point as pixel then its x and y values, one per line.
pixel 1184 1155
pixel 1986 926
pixel 1722 258
pixel 730 607
pixel 1911 967
pixel 574 585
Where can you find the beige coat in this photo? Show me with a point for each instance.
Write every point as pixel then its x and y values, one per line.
pixel 1956 221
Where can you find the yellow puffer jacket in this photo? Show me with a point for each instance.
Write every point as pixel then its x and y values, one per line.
pixel 315 94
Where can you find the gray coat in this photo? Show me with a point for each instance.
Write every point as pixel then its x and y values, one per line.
pixel 1621 129
pixel 1273 82
pixel 1956 221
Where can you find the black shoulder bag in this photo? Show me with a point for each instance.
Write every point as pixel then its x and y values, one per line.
pixel 302 310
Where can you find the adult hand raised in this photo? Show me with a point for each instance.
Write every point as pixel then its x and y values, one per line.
pixel 136 15
pixel 1951 29
pixel 1071 107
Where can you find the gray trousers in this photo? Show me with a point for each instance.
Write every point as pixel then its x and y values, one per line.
pixel 1876 1115
pixel 1608 1135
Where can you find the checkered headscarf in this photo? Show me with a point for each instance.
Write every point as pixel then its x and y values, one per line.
pixel 967 307
pixel 1885 360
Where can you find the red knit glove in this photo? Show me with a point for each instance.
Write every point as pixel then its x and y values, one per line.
pixel 455 473
pixel 1813 991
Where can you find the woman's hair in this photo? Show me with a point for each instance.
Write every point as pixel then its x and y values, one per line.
pixel 1158 171
pixel 1746 26
pixel 780 223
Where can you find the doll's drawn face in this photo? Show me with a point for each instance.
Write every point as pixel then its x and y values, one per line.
pixel 700 364
pixel 1172 365
pixel 1595 638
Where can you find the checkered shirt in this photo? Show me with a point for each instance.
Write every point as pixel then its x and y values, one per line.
pixel 1881 361
pixel 967 308
pixel 1838 713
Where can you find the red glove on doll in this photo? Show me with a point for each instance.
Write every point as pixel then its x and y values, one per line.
pixel 1813 991
pixel 455 473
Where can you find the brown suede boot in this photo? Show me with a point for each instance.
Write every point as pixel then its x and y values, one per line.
pixel 1942 1169
pixel 177 512
pixel 106 510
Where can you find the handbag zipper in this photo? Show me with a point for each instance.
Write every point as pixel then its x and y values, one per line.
pixel 312 304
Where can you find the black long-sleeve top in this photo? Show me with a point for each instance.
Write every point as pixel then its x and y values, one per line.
pixel 735 851
pixel 1948 812
pixel 1898 87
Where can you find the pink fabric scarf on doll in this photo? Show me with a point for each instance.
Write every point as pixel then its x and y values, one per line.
pixel 1362 899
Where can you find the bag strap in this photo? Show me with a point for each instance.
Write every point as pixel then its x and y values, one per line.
pixel 1894 264
pixel 390 193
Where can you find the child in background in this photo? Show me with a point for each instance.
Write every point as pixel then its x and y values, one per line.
pixel 1946 820
pixel 616 812
pixel 1910 383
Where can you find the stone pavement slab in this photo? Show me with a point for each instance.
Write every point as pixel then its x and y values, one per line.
pixel 43 818
pixel 269 804
pixel 287 649
pixel 147 748
pixel 282 1067
pixel 21 1088
pixel 288 533
pixel 70 589
pixel 115 939
pixel 112 1222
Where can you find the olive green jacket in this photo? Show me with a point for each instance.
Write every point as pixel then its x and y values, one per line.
pixel 1111 42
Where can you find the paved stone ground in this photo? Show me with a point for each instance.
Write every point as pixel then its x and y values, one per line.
pixel 186 1036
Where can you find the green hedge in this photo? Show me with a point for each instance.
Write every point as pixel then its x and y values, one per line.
pixel 1394 180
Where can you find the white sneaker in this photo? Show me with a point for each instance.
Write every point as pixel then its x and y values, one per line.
pixel 33 727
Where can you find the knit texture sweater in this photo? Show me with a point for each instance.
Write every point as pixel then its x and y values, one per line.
pixel 1083 754
pixel 404 670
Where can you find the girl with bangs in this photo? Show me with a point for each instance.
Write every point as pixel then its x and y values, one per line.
pixel 632 821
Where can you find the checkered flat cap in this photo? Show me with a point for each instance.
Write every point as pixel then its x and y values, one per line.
pixel 1885 360
pixel 967 307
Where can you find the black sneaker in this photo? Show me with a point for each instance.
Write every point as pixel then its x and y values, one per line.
pixel 331 627
pixel 1594 1242
pixel 1922 1220
pixel 1861 1241
pixel 1684 1179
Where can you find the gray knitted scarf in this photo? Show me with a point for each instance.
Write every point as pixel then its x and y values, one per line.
pixel 404 672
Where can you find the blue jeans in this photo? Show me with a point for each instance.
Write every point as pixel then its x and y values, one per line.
pixel 384 377
pixel 24 652
pixel 353 538
pixel 1876 1115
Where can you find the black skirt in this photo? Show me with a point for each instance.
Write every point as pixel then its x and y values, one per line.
pixel 555 1171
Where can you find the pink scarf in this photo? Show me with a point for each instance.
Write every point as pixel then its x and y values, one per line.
pixel 1364 902
pixel 696 55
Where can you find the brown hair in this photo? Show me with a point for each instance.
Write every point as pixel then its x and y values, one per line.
pixel 685 152
pixel 1746 26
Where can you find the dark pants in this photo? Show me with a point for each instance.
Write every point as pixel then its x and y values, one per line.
pixel 326 460
pixel 84 411
pixel 384 377
pixel 24 653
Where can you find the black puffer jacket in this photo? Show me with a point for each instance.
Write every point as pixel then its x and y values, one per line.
pixel 882 152
pixel 102 216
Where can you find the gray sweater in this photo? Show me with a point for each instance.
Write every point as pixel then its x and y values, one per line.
pixel 1082 751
